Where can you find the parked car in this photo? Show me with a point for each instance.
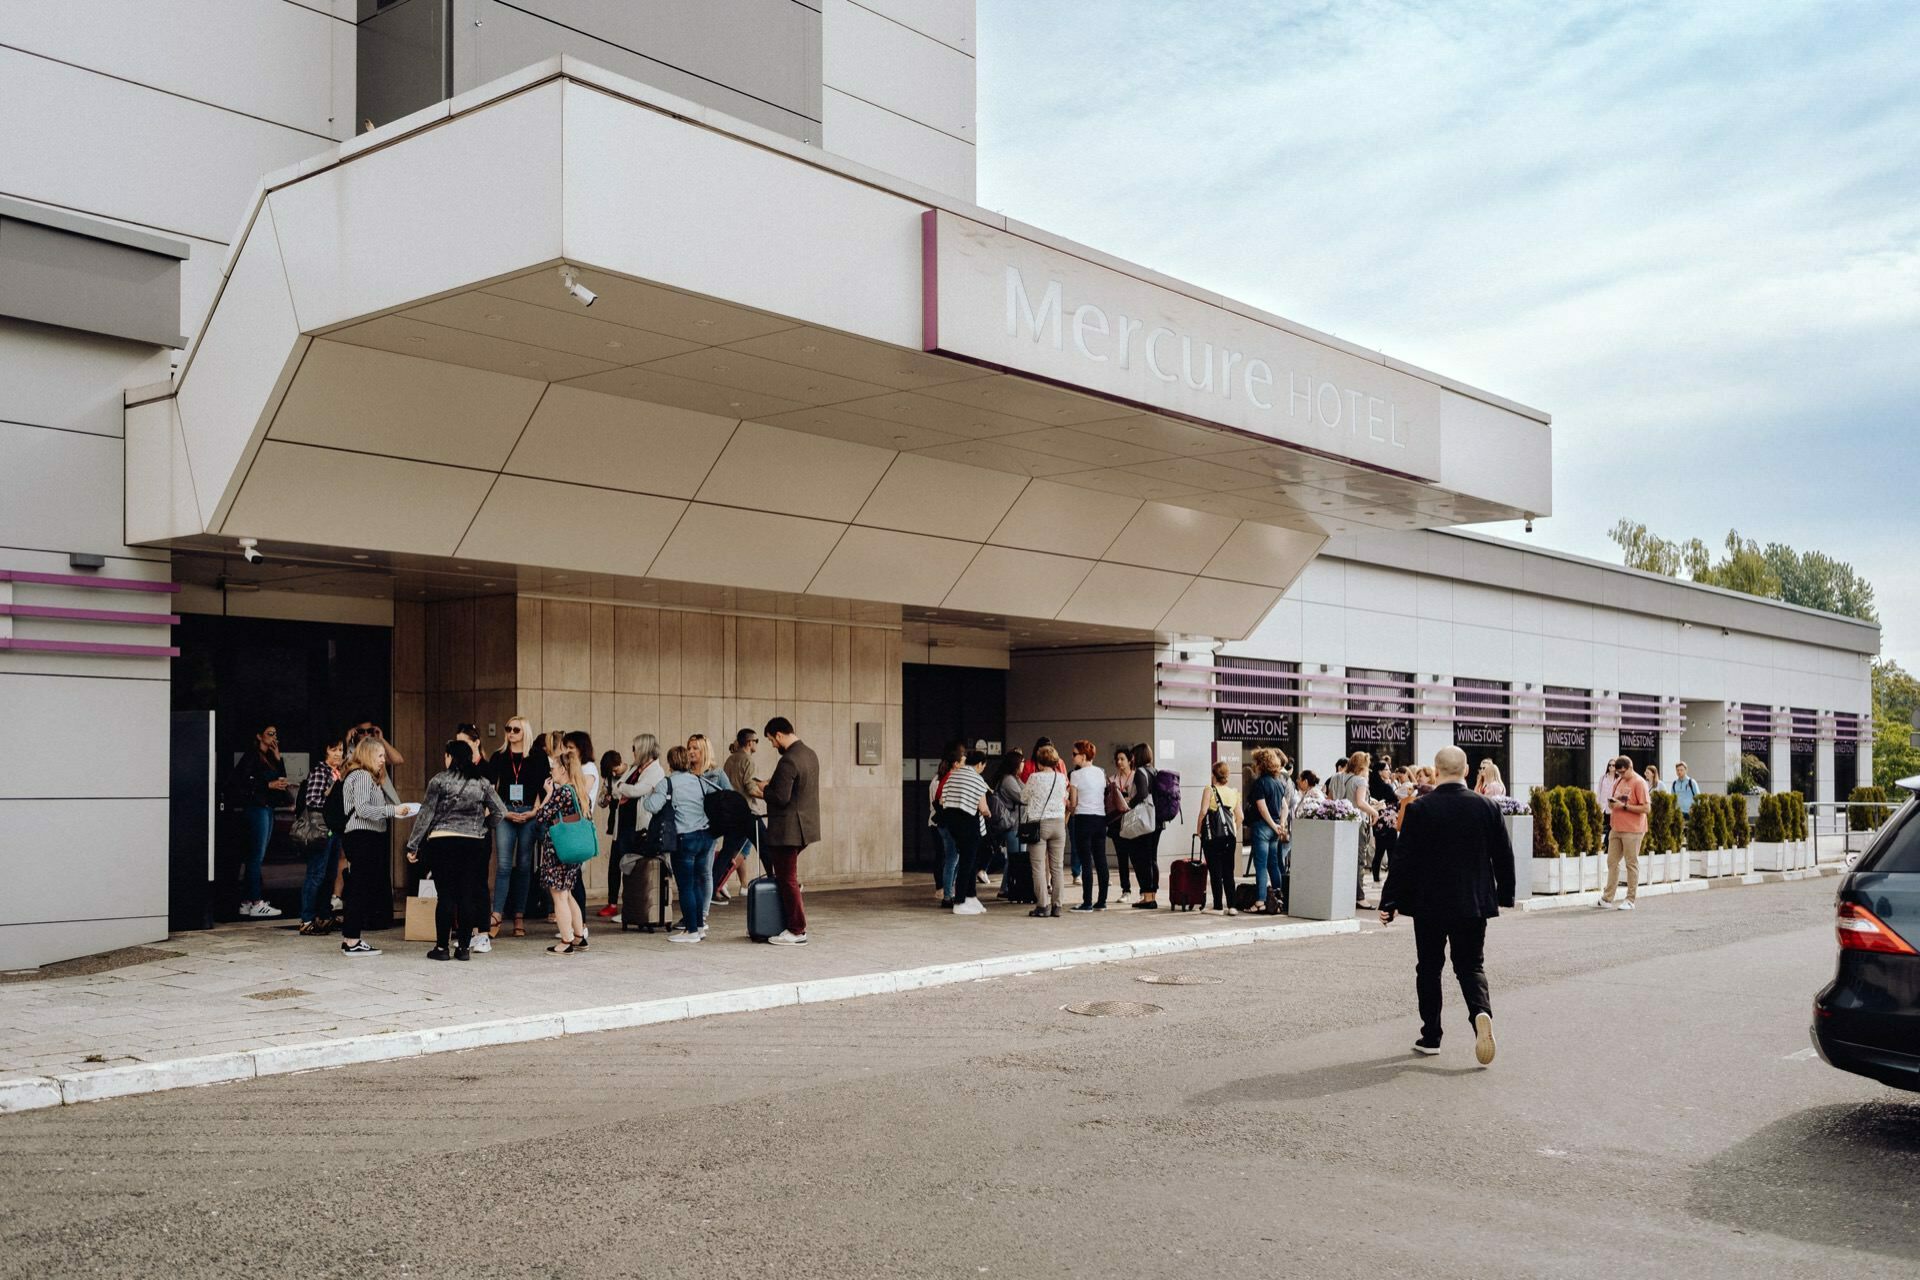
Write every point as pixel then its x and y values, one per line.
pixel 1867 1020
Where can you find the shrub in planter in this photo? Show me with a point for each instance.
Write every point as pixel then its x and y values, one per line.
pixel 1595 824
pixel 1798 803
pixel 1767 829
pixel 1723 822
pixel 1561 822
pixel 1659 823
pixel 1867 819
pixel 1544 843
pixel 1700 825
pixel 1677 828
pixel 1742 833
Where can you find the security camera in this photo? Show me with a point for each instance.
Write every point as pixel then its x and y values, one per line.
pixel 250 550
pixel 1529 524
pixel 584 295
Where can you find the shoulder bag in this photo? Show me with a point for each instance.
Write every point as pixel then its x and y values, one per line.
pixel 1141 820
pixel 574 839
pixel 1216 827
pixel 1030 830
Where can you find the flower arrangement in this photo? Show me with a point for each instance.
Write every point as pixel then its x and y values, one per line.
pixel 1321 809
pixel 1512 808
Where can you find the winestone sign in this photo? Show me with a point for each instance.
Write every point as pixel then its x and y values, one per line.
pixel 1014 304
pixel 1252 726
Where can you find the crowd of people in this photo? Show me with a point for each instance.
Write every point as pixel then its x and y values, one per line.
pixel 530 812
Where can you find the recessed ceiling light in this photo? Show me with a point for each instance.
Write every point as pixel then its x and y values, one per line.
pixel 533 364
pixel 704 323
pixel 733 404
pixel 809 350
pixel 489 584
pixel 899 439
pixel 416 338
pixel 613 346
pixel 719 368
pixel 359 556
pixel 495 315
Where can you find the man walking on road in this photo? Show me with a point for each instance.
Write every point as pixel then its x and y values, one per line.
pixel 1685 789
pixel 1452 872
pixel 793 822
pixel 1628 800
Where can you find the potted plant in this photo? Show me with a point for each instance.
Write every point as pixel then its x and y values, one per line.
pixel 1769 846
pixel 1656 852
pixel 1325 859
pixel 1549 865
pixel 1866 812
pixel 1517 817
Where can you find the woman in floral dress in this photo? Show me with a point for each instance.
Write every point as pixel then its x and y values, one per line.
pixel 567 793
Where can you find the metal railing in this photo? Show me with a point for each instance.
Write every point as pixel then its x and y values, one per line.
pixel 1843 845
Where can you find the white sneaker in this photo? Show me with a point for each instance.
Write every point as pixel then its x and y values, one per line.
pixel 482 943
pixel 615 918
pixel 1603 905
pixel 1232 911
pixel 359 948
pixel 788 938
pixel 261 911
pixel 685 937
pixel 338 906
pixel 1625 906
pixel 971 907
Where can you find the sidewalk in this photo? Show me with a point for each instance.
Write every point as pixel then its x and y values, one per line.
pixel 256 998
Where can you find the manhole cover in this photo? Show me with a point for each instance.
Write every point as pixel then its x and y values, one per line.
pixel 1179 979
pixel 278 993
pixel 1113 1009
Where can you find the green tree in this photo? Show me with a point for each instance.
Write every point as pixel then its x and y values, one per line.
pixel 1744 568
pixel 1818 581
pixel 1776 571
pixel 1896 695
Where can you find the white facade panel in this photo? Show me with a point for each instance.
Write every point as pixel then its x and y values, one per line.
pixel 63 718
pixel 895 144
pixel 950 22
pixel 651 198
pixel 117 878
pixel 161 502
pixel 99 145
pixel 1472 432
pixel 70 380
pixel 354 237
pixel 61 491
pixel 281 62
pixel 878 60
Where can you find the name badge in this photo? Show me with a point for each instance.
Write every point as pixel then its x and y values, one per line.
pixel 516 794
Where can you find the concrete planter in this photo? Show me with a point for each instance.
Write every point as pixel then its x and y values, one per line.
pixel 1710 863
pixel 1555 875
pixel 1743 861
pixel 1771 855
pixel 1325 860
pixel 1656 868
pixel 1520 836
pixel 1593 868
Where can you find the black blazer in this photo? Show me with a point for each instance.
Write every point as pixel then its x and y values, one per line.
pixel 1454 861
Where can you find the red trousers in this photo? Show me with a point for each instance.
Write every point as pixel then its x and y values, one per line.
pixel 783 862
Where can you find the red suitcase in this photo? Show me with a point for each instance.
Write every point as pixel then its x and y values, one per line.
pixel 1187 880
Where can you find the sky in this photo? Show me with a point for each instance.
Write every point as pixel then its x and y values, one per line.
pixel 1689 232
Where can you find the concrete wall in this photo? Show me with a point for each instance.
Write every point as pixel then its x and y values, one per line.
pixel 160 116
pixel 898 90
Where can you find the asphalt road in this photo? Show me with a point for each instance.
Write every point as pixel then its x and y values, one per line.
pixel 1653 1111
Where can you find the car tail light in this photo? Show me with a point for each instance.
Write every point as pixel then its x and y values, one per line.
pixel 1861 930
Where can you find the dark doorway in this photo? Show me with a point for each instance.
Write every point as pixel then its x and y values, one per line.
pixel 941 704
pixel 311 679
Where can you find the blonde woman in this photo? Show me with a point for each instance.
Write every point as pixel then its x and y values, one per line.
pixel 1351 786
pixel 518 771
pixel 1270 818
pixel 566 797
pixel 1220 837
pixel 370 803
pixel 1488 782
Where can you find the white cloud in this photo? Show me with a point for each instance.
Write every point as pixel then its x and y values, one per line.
pixel 1688 231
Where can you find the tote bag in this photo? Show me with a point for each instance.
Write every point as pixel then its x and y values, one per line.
pixel 574 839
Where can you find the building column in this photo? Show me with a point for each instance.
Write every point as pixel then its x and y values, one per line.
pixel 1823 792
pixel 1323 729
pixel 1780 764
pixel 1709 746
pixel 1606 747
pixel 1528 750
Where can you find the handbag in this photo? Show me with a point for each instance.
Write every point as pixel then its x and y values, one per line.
pixel 1143 819
pixel 1216 827
pixel 310 829
pixel 1030 831
pixel 574 839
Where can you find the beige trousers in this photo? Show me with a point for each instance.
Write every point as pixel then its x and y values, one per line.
pixel 1047 854
pixel 1623 846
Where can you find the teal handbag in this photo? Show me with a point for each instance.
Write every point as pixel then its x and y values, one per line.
pixel 574 839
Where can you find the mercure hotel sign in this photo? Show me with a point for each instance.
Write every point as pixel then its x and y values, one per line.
pixel 1015 304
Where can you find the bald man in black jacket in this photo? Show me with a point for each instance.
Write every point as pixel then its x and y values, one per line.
pixel 1452 872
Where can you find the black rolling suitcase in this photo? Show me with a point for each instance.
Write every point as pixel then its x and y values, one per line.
pixel 1016 882
pixel 765 916
pixel 643 895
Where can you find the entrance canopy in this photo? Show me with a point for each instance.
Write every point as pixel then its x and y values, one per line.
pixel 795 376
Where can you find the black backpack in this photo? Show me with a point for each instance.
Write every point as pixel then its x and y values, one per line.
pixel 335 808
pixel 727 811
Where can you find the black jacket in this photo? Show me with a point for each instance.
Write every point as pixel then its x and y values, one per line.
pixel 1454 861
pixel 532 774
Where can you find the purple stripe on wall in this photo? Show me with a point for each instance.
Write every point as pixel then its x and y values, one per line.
pixel 88 647
pixel 89 615
pixel 79 580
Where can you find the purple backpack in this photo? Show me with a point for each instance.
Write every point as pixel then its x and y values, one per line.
pixel 1165 790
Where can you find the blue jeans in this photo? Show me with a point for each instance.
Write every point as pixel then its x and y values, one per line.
pixel 693 876
pixel 256 821
pixel 1008 848
pixel 949 860
pixel 319 879
pixel 513 846
pixel 1269 860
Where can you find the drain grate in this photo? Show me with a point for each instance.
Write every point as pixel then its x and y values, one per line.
pixel 1179 979
pixel 1113 1009
pixel 278 993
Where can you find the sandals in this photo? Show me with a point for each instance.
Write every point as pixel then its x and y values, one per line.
pixel 561 949
pixel 493 929
pixel 520 927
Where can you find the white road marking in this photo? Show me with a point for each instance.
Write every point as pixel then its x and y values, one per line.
pixel 1801 1056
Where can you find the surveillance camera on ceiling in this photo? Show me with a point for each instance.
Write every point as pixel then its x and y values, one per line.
pixel 250 550
pixel 585 296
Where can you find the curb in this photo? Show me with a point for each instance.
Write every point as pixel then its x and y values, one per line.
pixel 33 1093
pixel 1560 901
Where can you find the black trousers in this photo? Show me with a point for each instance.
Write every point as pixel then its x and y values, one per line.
pixel 1219 855
pixel 1432 939
pixel 459 866
pixel 368 901
pixel 1144 853
pixel 964 827
pixel 1088 831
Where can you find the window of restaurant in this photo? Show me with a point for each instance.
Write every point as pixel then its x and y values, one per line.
pixel 1256 704
pixel 1380 714
pixel 1569 737
pixel 1640 729
pixel 1482 725
pixel 1846 755
pixel 1804 774
pixel 1756 742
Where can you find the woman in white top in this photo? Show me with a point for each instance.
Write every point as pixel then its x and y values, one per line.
pixel 1045 802
pixel 1488 783
pixel 963 816
pixel 1087 793
pixel 1351 786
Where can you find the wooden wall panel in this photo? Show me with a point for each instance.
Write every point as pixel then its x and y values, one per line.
pixel 566 644
pixel 496 635
pixel 636 650
pixel 600 676
pixel 527 653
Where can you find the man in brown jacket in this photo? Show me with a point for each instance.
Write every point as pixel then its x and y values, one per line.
pixel 793 822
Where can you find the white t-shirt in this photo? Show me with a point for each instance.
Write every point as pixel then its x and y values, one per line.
pixel 591 772
pixel 1090 790
pixel 1045 796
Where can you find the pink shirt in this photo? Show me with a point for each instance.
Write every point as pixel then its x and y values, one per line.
pixel 1633 790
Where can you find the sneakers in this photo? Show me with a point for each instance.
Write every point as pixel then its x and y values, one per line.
pixel 721 900
pixel 439 953
pixel 1483 1038
pixel 482 943
pixel 359 948
pixel 1426 1048
pixel 1084 906
pixel 1625 906
pixel 970 907
pixel 1233 911
pixel 788 938
pixel 685 937
pixel 338 906
pixel 1603 905
pixel 608 912
pixel 259 910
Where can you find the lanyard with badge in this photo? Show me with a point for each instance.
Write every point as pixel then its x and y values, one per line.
pixel 516 793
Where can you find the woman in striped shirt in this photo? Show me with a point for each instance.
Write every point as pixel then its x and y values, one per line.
pixel 963 816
